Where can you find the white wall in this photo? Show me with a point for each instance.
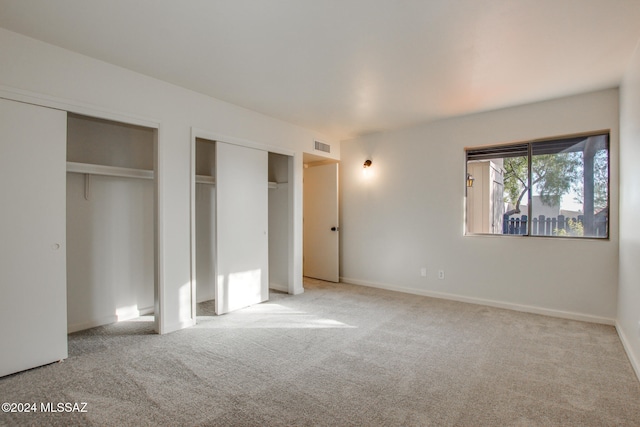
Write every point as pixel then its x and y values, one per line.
pixel 42 71
pixel 205 241
pixel 279 237
pixel 410 214
pixel 104 142
pixel 629 288
pixel 109 250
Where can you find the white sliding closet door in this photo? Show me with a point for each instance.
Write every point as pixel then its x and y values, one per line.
pixel 33 298
pixel 242 245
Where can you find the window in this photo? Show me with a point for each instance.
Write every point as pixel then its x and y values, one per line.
pixel 556 187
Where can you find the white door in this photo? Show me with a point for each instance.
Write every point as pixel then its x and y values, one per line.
pixel 33 293
pixel 321 230
pixel 242 245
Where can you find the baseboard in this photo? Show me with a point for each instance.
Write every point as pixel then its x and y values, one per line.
pixel 122 315
pixel 203 298
pixel 93 323
pixel 166 329
pixel 481 301
pixel 279 287
pixel 106 320
pixel 146 310
pixel 635 363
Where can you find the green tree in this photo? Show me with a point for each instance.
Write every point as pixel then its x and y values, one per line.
pixel 574 228
pixel 552 175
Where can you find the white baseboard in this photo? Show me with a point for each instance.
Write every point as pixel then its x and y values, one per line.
pixel 481 301
pixel 166 329
pixel 204 297
pixel 635 363
pixel 123 315
pixel 284 288
pixel 106 320
pixel 93 323
pixel 113 319
pixel 145 311
pixel 279 287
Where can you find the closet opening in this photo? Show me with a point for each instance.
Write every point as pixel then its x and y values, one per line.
pixel 205 226
pixel 111 223
pixel 242 225
pixel 280 169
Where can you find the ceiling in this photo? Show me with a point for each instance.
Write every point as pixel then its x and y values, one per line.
pixel 351 67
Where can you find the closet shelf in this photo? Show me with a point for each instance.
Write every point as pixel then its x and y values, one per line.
pixel 273 184
pixel 205 179
pixel 92 169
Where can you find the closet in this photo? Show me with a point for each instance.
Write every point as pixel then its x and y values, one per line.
pixel 280 219
pixel 110 221
pixel 205 205
pixel 242 234
pixel 78 228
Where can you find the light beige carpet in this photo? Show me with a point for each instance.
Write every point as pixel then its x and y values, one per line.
pixel 341 355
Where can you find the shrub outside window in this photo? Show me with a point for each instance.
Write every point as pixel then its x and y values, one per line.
pixel 557 187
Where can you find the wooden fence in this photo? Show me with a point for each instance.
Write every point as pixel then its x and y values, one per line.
pixel 553 226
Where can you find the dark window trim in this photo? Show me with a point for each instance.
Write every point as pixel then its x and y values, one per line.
pixel 515 149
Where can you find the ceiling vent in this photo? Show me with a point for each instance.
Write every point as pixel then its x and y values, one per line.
pixel 321 146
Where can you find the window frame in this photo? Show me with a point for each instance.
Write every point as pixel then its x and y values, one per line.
pixel 530 143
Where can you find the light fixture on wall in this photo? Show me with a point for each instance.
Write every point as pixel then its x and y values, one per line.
pixel 366 169
pixel 470 180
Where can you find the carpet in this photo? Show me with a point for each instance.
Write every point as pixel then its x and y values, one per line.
pixel 339 355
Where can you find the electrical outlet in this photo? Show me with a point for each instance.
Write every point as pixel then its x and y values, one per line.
pixel 423 272
pixel 441 274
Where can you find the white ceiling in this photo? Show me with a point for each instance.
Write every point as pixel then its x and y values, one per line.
pixel 351 67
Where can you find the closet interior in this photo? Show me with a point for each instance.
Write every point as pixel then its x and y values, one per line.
pixel 205 219
pixel 280 219
pixel 110 221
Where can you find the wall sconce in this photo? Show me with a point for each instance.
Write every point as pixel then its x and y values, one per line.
pixel 470 180
pixel 366 169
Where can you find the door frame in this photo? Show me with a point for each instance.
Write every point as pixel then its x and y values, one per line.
pixel 294 214
pixel 29 97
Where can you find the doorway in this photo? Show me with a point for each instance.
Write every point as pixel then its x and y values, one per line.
pixel 321 219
